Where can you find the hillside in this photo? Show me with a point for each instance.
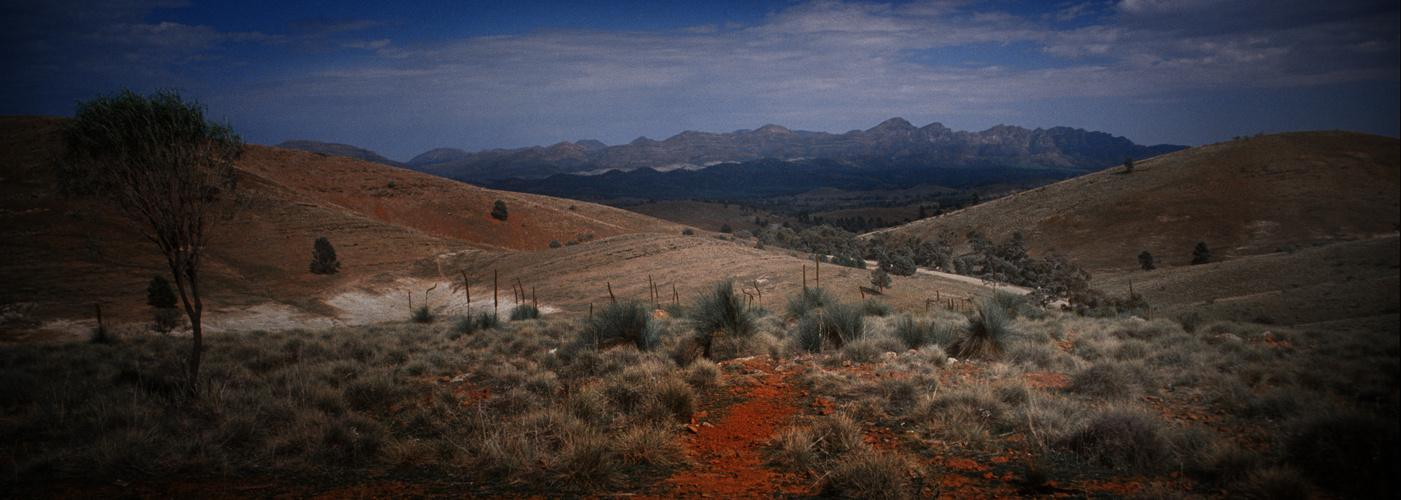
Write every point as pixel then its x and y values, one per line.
pixel 339 149
pixel 62 256
pixel 1257 200
pixel 1244 197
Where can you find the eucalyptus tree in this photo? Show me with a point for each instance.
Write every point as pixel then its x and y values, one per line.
pixel 168 169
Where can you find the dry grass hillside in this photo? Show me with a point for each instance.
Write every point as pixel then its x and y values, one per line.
pixel 1245 197
pixel 1301 227
pixel 706 215
pixel 62 256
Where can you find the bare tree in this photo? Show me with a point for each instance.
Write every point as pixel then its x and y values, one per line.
pixel 167 168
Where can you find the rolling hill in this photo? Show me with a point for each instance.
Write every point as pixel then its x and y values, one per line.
pixel 1268 199
pixel 63 256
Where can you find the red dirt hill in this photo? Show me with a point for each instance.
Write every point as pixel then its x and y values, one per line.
pixel 62 256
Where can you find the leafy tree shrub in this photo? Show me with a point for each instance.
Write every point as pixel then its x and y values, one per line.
pixel 721 312
pixel 555 244
pixel 160 162
pixel 167 316
pixel 524 312
pixel 323 257
pixel 1145 260
pixel 899 265
pixel 688 232
pixel 880 279
pixel 621 323
pixel 1128 165
pixel 158 293
pixel 498 210
pixel 1201 254
pixel 725 228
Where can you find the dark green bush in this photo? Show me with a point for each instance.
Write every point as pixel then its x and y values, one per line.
pixel 323 257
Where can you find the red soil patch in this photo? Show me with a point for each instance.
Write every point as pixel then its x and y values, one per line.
pixel 727 458
pixel 1047 380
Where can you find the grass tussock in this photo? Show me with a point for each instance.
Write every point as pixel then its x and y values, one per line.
pixel 989 333
pixel 622 323
pixel 833 326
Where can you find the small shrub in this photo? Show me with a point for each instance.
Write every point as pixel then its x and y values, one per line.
pixel 159 295
pixel 167 320
pixel 703 374
pixel 499 212
pixel 688 232
pixel 555 244
pixel 650 445
pixel 323 257
pixel 1201 254
pixel 524 312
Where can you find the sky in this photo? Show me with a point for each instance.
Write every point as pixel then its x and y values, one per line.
pixel 401 78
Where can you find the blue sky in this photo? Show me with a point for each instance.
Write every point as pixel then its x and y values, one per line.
pixel 401 78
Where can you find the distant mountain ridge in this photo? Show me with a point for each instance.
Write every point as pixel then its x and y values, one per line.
pixel 935 144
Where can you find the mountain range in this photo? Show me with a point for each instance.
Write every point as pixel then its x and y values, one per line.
pixel 933 145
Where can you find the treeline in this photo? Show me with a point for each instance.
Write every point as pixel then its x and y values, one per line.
pixel 1052 277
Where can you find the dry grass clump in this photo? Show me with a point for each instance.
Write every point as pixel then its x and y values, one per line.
pixel 1119 437
pixel 1349 452
pixel 1114 380
pixel 875 475
pixel 833 446
pixel 1275 483
pixel 966 415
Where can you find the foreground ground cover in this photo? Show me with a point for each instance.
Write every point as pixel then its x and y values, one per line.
pixel 1110 407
